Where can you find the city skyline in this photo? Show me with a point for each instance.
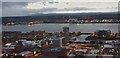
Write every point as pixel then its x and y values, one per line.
pixel 60 29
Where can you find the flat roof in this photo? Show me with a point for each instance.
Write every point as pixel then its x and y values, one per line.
pixel 25 52
pixel 108 46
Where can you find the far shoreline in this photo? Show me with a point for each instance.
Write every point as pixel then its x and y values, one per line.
pixel 60 23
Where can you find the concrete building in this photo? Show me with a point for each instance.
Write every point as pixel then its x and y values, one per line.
pixel 103 33
pixel 66 35
pixel 55 52
pixel 56 43
pixel 72 20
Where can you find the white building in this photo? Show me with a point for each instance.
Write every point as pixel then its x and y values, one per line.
pixel 72 20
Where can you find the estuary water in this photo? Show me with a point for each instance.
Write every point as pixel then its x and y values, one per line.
pixel 54 27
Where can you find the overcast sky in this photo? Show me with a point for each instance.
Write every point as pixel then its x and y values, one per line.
pixel 60 0
pixel 18 8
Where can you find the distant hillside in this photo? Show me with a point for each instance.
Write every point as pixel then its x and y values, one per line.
pixel 113 15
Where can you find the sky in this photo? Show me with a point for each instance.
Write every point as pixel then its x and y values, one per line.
pixel 30 7
pixel 60 0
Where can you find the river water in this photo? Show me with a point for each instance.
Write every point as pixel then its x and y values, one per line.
pixel 54 27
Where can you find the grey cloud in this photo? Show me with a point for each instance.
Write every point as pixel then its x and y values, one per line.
pixel 0 10
pixel 14 12
pixel 13 8
pixel 20 11
pixel 48 9
pixel 12 4
pixel 25 0
pixel 17 9
pixel 81 8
